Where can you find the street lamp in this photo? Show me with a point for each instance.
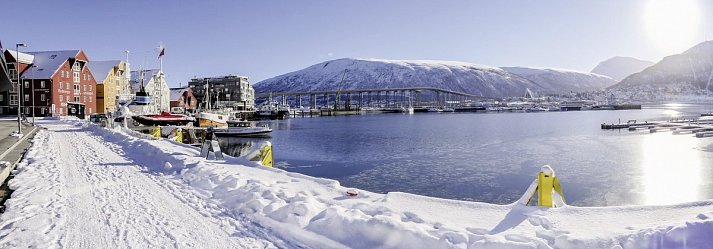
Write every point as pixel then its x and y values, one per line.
pixel 32 90
pixel 19 86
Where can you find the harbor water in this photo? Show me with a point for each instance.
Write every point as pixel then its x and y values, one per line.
pixel 493 157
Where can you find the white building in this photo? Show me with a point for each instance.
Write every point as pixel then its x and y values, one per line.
pixel 154 83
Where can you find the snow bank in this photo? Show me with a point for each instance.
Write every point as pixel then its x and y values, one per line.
pixel 316 213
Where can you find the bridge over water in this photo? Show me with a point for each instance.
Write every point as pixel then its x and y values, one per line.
pixel 386 97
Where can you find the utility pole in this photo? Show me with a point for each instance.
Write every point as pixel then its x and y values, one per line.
pixel 32 89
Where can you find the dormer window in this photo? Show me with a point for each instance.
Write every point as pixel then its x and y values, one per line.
pixel 76 67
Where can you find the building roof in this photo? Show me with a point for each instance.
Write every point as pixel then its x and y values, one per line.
pixel 136 79
pixel 24 57
pixel 48 62
pixel 176 93
pixel 100 69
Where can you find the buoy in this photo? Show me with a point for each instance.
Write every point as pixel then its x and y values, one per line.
pixel 352 193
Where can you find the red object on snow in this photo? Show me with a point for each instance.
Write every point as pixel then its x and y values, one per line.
pixel 352 193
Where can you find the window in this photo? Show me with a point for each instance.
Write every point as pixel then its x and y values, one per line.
pixel 13 74
pixel 84 76
pixel 76 77
pixel 27 97
pixel 1 97
pixel 84 88
pixel 76 89
pixel 67 85
pixel 42 110
pixel 60 110
pixel 13 99
pixel 90 87
pixel 61 84
pixel 85 98
pixel 61 98
pixel 90 110
pixel 42 84
pixel 27 84
pixel 61 74
pixel 76 99
pixel 42 97
pixel 76 67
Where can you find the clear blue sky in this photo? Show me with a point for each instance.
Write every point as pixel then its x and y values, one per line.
pixel 263 39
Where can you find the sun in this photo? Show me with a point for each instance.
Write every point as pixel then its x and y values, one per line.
pixel 672 24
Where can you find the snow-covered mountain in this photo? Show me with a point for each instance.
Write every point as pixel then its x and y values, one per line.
pixel 619 68
pixel 692 69
pixel 456 76
pixel 562 80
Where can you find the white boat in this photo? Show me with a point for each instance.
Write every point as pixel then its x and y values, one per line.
pixel 209 118
pixel 273 110
pixel 243 128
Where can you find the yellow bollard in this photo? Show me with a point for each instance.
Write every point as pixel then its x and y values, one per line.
pixel 179 135
pixel 264 155
pixel 156 132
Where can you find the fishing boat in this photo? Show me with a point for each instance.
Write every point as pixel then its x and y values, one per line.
pixel 211 118
pixel 273 110
pixel 163 119
pixel 237 128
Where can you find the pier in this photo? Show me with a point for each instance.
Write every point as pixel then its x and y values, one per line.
pixel 697 127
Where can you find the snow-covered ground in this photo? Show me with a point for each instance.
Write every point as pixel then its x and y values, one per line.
pixel 82 186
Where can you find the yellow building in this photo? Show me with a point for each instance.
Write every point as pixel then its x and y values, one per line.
pixel 111 83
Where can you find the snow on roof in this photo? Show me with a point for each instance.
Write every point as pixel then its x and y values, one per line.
pixel 176 93
pixel 48 62
pixel 136 78
pixel 100 69
pixel 24 57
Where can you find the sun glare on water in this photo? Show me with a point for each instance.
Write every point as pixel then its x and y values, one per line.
pixel 671 169
pixel 672 24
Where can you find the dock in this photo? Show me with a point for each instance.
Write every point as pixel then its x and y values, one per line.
pixel 699 128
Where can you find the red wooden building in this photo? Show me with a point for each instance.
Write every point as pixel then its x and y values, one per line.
pixel 58 82
pixel 182 98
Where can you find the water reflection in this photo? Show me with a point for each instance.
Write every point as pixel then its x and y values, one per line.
pixel 240 146
pixel 671 169
pixel 672 113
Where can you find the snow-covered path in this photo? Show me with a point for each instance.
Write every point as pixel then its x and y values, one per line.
pixel 96 197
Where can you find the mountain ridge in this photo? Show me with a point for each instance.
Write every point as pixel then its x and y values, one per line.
pixel 619 67
pixel 471 78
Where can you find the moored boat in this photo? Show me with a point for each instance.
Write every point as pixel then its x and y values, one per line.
pixel 206 119
pixel 243 128
pixel 162 119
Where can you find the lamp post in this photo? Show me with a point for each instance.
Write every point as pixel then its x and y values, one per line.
pixel 19 86
pixel 32 90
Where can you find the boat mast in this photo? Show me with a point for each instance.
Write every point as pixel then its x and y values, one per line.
pixel 207 93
